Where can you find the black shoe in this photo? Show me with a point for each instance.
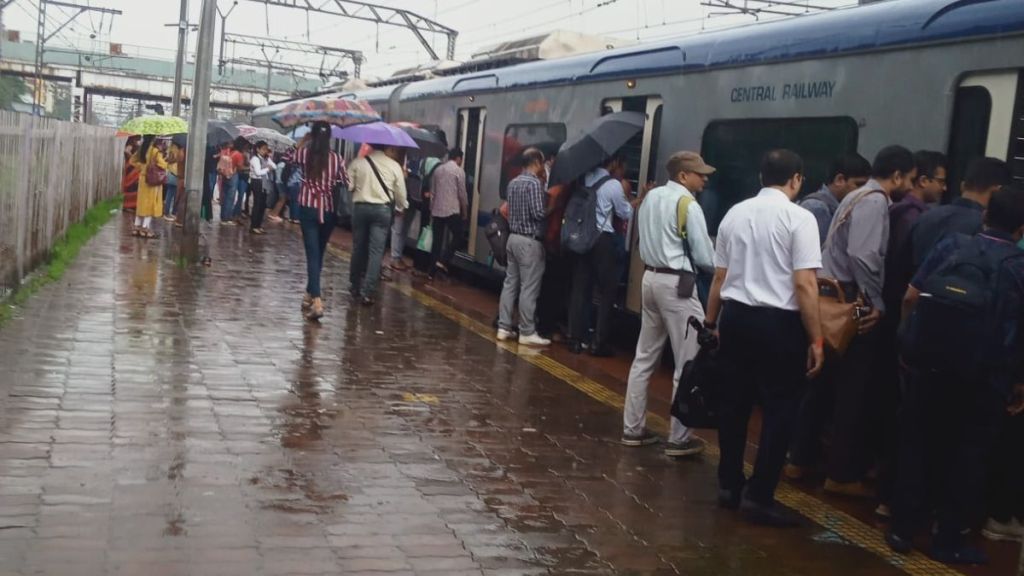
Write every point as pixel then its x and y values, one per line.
pixel 963 554
pixel 776 515
pixel 897 543
pixel 575 347
pixel 729 499
pixel 601 352
pixel 689 447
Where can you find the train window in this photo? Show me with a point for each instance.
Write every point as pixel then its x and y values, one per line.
pixel 972 111
pixel 735 147
pixel 518 137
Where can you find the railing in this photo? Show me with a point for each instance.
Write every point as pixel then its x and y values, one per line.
pixel 51 172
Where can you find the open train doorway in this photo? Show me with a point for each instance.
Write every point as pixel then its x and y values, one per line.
pixel 469 132
pixel 641 154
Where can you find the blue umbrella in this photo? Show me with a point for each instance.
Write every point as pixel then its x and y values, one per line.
pixel 376 134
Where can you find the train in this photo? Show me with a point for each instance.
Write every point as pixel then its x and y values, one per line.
pixel 943 75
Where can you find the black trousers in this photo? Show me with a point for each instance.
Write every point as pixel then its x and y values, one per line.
pixel 763 354
pixel 447 235
pixel 259 204
pixel 1006 498
pixel 948 428
pixel 555 291
pixel 599 264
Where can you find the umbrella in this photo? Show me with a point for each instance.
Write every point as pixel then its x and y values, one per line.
pixel 428 141
pixel 180 139
pixel 245 130
pixel 299 132
pixel 278 142
pixel 220 132
pixel 378 134
pixel 155 125
pixel 599 141
pixel 338 111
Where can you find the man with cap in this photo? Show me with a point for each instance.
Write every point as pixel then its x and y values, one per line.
pixel 674 245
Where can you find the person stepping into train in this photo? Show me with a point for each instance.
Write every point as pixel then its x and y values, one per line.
pixel 674 244
pixel 526 202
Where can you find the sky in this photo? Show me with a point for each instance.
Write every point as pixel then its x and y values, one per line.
pixel 481 23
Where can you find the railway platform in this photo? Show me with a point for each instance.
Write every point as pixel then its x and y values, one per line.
pixel 163 420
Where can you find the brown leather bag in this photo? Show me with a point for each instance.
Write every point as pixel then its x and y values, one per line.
pixel 838 317
pixel 839 322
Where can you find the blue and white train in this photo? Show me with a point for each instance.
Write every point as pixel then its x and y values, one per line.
pixel 929 74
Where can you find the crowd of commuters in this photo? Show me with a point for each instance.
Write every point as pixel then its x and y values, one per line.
pixel 925 421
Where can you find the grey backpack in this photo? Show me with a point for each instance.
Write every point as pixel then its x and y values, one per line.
pixel 579 225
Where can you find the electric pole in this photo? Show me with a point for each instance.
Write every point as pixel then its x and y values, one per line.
pixel 196 155
pixel 179 65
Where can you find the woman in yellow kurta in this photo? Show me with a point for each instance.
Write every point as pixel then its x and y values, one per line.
pixel 150 201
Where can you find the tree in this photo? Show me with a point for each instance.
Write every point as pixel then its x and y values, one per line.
pixel 12 88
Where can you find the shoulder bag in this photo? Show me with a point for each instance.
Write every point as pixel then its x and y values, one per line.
pixel 839 320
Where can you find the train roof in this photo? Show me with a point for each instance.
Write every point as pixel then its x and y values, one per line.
pixel 883 25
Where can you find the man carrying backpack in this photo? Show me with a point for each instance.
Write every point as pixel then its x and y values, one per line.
pixel 607 197
pixel 674 245
pixel 963 342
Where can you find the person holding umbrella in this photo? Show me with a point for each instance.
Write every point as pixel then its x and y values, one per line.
pixel 322 169
pixel 378 187
pixel 152 166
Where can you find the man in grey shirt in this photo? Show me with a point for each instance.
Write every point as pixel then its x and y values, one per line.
pixel 855 256
pixel 848 173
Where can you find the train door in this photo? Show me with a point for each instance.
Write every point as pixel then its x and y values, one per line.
pixel 642 166
pixel 469 133
pixel 988 120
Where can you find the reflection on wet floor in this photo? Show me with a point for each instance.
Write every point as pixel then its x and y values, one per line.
pixel 159 420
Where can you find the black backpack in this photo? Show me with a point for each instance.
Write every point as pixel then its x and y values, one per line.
pixel 579 225
pixel 497 235
pixel 960 323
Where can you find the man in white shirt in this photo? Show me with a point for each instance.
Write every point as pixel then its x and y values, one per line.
pixel 766 293
pixel 378 183
pixel 674 245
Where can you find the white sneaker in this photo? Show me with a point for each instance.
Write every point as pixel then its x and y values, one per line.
pixel 533 340
pixel 1011 531
pixel 504 335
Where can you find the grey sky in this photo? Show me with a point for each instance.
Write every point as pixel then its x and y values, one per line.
pixel 480 23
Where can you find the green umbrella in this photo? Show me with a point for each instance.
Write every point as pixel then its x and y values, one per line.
pixel 155 125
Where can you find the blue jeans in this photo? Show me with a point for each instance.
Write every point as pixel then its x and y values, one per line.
pixel 314 237
pixel 170 191
pixel 227 207
pixel 243 194
pixel 370 226
pixel 293 201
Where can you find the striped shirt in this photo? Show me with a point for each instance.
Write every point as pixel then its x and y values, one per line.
pixel 526 201
pixel 316 193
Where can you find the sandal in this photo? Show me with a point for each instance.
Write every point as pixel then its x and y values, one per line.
pixel 316 311
pixel 307 302
pixel 136 232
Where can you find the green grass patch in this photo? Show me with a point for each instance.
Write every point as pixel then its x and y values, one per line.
pixel 62 255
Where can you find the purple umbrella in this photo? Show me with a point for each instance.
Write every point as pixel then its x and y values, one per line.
pixel 376 134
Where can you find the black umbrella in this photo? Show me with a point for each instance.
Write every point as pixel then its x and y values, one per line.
pixel 431 144
pixel 603 138
pixel 219 132
pixel 180 139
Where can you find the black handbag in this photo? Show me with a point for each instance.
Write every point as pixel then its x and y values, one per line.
pixel 696 400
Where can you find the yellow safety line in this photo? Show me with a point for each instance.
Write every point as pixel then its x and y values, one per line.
pixel 846 526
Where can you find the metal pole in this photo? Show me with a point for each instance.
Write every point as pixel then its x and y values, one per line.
pixel 196 154
pixel 179 65
pixel 37 95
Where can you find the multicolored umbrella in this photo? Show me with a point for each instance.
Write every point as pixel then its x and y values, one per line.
pixel 278 142
pixel 337 111
pixel 378 134
pixel 155 125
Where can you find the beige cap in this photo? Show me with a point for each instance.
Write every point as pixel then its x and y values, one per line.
pixel 687 161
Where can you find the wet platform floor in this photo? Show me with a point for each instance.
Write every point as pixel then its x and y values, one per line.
pixel 157 420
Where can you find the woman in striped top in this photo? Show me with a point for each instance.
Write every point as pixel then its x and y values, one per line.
pixel 322 169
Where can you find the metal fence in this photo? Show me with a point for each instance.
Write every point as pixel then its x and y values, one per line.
pixel 51 172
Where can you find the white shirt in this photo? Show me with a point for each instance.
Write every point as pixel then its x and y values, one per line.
pixel 761 242
pixel 366 187
pixel 661 245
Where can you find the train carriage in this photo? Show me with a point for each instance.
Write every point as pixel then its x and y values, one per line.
pixel 934 74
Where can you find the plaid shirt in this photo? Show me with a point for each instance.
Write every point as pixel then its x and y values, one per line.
pixel 526 205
